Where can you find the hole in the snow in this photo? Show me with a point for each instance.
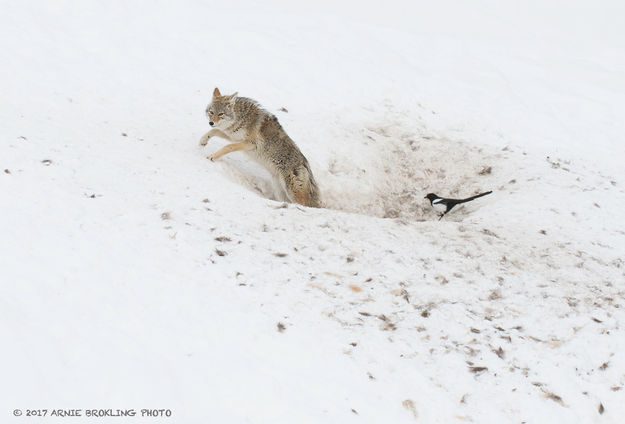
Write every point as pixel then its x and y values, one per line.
pixel 393 168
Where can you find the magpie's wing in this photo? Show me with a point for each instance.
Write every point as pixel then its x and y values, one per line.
pixel 440 201
pixel 448 204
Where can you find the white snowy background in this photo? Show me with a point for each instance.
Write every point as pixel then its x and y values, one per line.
pixel 134 273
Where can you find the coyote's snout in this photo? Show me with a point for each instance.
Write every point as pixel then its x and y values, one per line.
pixel 257 132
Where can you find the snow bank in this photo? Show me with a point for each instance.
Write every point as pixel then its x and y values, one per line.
pixel 136 274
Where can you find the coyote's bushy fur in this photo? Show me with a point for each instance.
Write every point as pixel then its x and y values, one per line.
pixel 256 131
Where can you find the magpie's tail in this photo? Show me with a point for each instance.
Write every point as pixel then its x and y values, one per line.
pixel 468 199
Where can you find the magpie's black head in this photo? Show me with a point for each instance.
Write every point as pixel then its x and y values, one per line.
pixel 431 197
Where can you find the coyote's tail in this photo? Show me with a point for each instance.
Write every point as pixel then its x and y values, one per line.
pixel 312 189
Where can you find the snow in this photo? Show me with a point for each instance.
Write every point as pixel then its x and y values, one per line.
pixel 135 274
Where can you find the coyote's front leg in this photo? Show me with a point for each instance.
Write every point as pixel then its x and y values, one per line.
pixel 213 132
pixel 234 147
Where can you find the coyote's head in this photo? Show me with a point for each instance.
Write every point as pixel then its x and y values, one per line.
pixel 219 111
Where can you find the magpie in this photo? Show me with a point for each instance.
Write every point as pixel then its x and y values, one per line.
pixel 445 205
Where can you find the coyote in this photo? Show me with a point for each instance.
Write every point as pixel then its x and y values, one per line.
pixel 257 132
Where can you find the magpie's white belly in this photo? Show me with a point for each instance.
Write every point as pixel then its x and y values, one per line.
pixel 439 207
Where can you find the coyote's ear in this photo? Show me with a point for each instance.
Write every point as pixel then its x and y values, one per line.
pixel 216 93
pixel 232 98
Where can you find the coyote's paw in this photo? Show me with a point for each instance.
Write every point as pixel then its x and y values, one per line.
pixel 204 139
pixel 212 157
